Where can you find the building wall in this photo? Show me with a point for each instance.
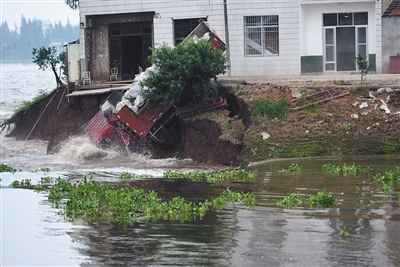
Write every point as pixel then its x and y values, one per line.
pixel 300 29
pixel 312 32
pixel 391 40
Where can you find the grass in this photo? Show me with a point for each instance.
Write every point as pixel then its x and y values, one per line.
pixel 272 109
pixel 26 105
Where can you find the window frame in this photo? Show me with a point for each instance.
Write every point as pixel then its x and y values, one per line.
pixel 193 23
pixel 267 29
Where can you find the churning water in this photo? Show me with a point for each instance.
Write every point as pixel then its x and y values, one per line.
pixel 32 234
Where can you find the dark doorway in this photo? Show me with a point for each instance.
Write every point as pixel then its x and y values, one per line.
pixel 130 43
pixel 132 56
pixel 345 48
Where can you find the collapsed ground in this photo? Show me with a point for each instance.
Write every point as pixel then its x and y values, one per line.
pixel 233 136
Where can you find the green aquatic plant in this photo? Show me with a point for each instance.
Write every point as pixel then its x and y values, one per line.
pixel 293 200
pixel 294 168
pixel 331 168
pixel 95 201
pixel 45 169
pixel 322 199
pixel 25 183
pixel 345 169
pixel 127 175
pixel 389 179
pixel 346 230
pixel 6 168
pixel 215 178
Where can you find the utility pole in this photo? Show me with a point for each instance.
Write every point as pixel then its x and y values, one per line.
pixel 227 37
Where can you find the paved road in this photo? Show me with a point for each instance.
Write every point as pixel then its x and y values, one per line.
pixel 394 78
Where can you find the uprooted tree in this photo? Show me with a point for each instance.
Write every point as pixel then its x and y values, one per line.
pixel 47 58
pixel 182 73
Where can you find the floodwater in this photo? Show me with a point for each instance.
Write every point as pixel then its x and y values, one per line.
pixel 32 234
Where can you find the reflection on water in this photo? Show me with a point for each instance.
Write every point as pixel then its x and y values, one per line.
pixel 265 236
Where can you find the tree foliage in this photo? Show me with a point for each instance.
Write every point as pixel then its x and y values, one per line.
pixel 47 58
pixel 363 66
pixel 183 73
pixel 73 4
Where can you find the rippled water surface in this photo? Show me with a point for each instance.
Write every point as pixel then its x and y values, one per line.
pixel 32 234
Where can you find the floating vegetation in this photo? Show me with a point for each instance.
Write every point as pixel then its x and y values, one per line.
pixel 294 168
pixel 95 201
pixel 6 168
pixel 345 169
pixel 127 175
pixel 346 230
pixel 215 178
pixel 293 200
pixel 45 169
pixel 321 199
pixel 25 183
pixel 389 179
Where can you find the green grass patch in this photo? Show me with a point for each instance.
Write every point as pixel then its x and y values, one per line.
pixel 272 109
pixel 26 105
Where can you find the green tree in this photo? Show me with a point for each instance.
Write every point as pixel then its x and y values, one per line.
pixel 73 4
pixel 47 58
pixel 363 66
pixel 183 73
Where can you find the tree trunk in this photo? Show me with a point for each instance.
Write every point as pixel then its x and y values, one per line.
pixel 58 80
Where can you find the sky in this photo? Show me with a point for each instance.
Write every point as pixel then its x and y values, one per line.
pixel 45 10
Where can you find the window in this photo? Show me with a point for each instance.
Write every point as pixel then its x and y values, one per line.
pixel 183 27
pixel 342 19
pixel 261 35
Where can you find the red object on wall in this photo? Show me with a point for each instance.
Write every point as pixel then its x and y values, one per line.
pixel 394 64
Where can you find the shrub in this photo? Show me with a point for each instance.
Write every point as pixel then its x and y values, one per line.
pixel 183 73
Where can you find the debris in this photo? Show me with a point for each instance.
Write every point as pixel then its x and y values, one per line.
pixel 354 116
pixel 364 113
pixel 265 136
pixel 363 105
pixel 384 90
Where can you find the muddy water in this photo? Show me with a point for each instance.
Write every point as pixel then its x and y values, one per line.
pixel 32 234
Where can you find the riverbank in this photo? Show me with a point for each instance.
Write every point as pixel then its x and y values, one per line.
pixel 235 137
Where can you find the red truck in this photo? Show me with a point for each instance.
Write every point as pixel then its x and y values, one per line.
pixel 124 128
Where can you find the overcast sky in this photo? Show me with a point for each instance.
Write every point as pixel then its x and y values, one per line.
pixel 52 10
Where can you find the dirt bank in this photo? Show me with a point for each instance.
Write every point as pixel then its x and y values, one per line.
pixel 233 137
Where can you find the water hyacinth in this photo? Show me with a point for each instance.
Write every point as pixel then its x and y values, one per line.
pixel 95 201
pixel 214 178
pixel 389 179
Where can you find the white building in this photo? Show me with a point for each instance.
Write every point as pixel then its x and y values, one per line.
pixel 280 37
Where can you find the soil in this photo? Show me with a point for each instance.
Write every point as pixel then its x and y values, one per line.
pixel 232 136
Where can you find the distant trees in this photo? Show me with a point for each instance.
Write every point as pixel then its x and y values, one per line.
pixel 48 58
pixel 18 44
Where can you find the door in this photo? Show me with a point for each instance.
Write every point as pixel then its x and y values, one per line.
pixel 345 48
